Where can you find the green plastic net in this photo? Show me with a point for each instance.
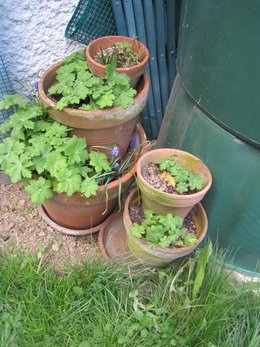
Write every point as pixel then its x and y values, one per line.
pixel 5 88
pixel 91 19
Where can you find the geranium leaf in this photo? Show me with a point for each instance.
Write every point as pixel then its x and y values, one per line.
pixel 76 150
pixel 99 161
pixel 13 100
pixel 89 187
pixel 68 181
pixel 40 190
pixel 18 167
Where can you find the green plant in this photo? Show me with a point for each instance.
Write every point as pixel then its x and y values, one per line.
pixel 77 87
pixel 163 231
pixel 40 153
pixel 120 55
pixel 41 307
pixel 181 178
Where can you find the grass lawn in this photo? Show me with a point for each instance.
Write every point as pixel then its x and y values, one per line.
pixel 194 303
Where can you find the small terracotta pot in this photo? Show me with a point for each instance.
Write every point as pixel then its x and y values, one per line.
pixel 163 203
pixel 134 72
pixel 157 256
pixel 78 212
pixel 107 127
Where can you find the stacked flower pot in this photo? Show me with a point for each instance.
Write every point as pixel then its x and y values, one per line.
pixel 103 130
pixel 157 201
pixel 77 144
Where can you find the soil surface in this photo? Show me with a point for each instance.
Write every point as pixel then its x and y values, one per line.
pixel 22 229
pixel 151 174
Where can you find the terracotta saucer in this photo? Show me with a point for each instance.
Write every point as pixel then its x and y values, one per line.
pixel 67 231
pixel 112 239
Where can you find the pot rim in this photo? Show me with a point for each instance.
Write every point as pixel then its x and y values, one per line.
pixel 167 250
pixel 118 38
pixel 173 151
pixel 96 113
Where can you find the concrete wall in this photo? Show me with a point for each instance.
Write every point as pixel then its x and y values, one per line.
pixel 32 35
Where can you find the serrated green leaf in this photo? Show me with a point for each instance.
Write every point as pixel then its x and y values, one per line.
pixel 13 100
pixel 63 102
pixel 86 107
pixel 68 181
pixel 89 187
pixel 8 148
pixel 106 99
pixel 99 161
pixel 76 150
pixel 56 130
pixel 125 98
pixel 137 230
pixel 190 239
pixel 196 182
pixel 56 163
pixel 40 190
pixel 40 162
pixel 18 167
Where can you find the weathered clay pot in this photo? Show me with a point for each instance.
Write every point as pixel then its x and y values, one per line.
pixel 163 203
pixel 134 72
pixel 78 212
pixel 108 127
pixel 157 256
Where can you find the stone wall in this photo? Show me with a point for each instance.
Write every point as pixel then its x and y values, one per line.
pixel 32 35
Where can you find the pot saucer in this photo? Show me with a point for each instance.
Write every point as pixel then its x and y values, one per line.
pixel 112 239
pixel 67 231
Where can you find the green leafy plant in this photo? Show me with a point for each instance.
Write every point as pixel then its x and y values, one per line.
pixel 184 180
pixel 40 153
pixel 164 231
pixel 77 87
pixel 120 54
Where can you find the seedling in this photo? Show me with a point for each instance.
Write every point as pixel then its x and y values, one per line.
pixel 182 179
pixel 164 231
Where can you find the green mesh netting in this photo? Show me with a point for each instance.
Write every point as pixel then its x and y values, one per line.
pixel 91 19
pixel 5 88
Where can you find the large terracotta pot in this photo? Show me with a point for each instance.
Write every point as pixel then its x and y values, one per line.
pixel 157 256
pixel 163 203
pixel 108 127
pixel 78 212
pixel 134 72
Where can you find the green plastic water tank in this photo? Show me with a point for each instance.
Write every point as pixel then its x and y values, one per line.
pixel 213 113
pixel 218 62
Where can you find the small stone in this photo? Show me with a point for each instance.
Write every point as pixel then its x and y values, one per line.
pixel 21 202
pixel 55 247
pixel 4 237
pixel 42 234
pixel 49 229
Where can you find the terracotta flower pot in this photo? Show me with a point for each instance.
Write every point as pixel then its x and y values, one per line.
pixel 157 256
pixel 134 72
pixel 163 203
pixel 107 127
pixel 78 212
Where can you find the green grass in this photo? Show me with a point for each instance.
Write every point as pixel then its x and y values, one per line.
pixel 101 305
